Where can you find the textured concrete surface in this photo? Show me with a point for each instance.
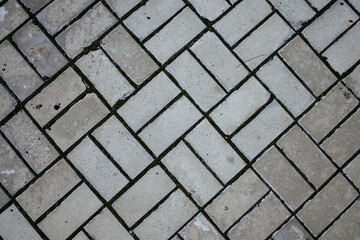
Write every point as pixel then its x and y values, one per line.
pixel 179 119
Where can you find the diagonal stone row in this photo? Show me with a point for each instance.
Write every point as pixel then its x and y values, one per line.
pixel 179 119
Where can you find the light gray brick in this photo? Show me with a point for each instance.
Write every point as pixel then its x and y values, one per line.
pixel 307 65
pixel 261 221
pixel 175 35
pixel 356 4
pixel 14 226
pixel 7 102
pixel 329 25
pixel 191 174
pixel 40 51
pixel 227 69
pixel 306 156
pixel 87 29
pixel 35 5
pixel 105 77
pixel 11 16
pixel 146 103
pixel 106 226
pixel 319 4
pixel 81 236
pixel 287 87
pixel 97 169
pixel 77 121
pixel 29 141
pixel 215 151
pixel 170 125
pixel 292 230
pixel 345 141
pixel 144 195
pixel 245 16
pixel 240 106
pixel 13 174
pixel 50 18
pixel 50 101
pixel 210 9
pixel 327 204
pixel 152 15
pixel 196 81
pixel 48 189
pixel 121 8
pixel 283 178
pixel 263 41
pixel 161 224
pixel 327 113
pixel 353 82
pixel 353 171
pixel 128 54
pixel 17 74
pixel 226 209
pixel 123 147
pixel 72 212
pixel 261 131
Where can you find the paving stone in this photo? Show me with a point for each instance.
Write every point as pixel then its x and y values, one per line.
pixel 50 101
pixel 17 74
pixel 353 171
pixel 29 141
pixel 356 4
pixel 123 147
pixel 131 58
pixel 14 226
pixel 170 125
pixel 240 106
pixel 293 230
pixel 347 227
pixel 306 156
pixel 176 238
pixel 210 9
pixel 261 221
pixel 353 82
pixel 35 5
pixel 345 141
pixel 53 22
pixel 40 51
pixel 201 229
pixel 146 103
pixel 121 8
pixel 344 53
pixel 246 15
pixel 215 151
pixel 81 236
pixel 151 16
pixel 71 213
pixel 48 189
pixel 106 226
pixel 286 87
pixel 226 209
pixel 319 4
pixel 3 198
pixel 263 41
pixel 297 13
pixel 97 169
pixel 162 224
pixel 86 30
pixel 327 113
pixel 327 204
pixel 7 102
pixel 307 65
pixel 77 121
pixel 227 69
pixel 283 178
pixel 105 77
pixel 329 25
pixel 191 174
pixel 196 81
pixel 175 35
pixel 261 131
pixel 144 195
pixel 11 16
pixel 13 174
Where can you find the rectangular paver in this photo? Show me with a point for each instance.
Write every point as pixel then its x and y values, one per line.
pixel 12 15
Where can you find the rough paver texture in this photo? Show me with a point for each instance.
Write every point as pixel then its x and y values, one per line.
pixel 179 119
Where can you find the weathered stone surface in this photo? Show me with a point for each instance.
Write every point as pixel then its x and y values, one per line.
pixel 353 81
pixel 40 51
pixel 3 198
pixel 353 171
pixel 210 9
pixel 121 8
pixel 35 5
pixel 7 102
pixel 11 16
pixel 293 230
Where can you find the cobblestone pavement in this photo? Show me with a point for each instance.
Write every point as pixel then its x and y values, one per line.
pixel 179 119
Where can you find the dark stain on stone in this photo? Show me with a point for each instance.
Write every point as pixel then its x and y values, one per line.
pixel 347 95
pixel 57 106
pixel 39 106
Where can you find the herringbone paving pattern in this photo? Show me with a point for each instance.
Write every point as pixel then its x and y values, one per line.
pixel 179 119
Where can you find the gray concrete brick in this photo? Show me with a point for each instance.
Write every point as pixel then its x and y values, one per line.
pixel 11 16
pixel 7 102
